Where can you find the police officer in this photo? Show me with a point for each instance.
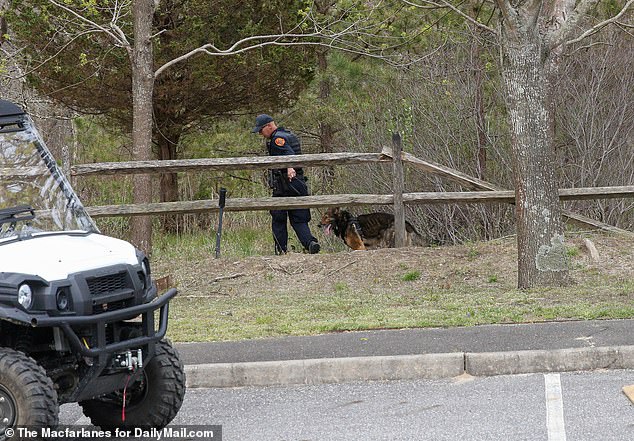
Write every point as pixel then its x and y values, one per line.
pixel 286 182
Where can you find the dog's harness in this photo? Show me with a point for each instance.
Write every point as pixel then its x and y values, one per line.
pixel 354 221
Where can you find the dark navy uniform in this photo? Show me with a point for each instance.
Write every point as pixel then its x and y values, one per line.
pixel 283 142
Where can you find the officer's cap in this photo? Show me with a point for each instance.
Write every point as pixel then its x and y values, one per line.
pixel 261 121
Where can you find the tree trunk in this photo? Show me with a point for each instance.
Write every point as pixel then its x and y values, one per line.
pixel 478 104
pixel 542 258
pixel 142 91
pixel 326 132
pixel 4 5
pixel 169 182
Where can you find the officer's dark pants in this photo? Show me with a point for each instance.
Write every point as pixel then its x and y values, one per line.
pixel 299 218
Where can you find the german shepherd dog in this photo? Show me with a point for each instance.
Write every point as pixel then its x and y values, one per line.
pixel 366 231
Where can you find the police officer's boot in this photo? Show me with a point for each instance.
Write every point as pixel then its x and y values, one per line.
pixel 313 247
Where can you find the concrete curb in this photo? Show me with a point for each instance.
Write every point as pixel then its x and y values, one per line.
pixel 325 370
pixel 560 360
pixel 406 367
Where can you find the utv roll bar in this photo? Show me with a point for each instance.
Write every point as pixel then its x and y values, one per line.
pixel 11 117
pixel 12 215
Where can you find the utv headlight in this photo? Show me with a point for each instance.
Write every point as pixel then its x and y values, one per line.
pixel 25 296
pixel 61 298
pixel 144 274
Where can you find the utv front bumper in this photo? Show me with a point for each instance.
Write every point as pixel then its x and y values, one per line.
pixel 99 322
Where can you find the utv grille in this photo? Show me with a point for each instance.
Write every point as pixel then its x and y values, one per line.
pixel 111 306
pixel 107 284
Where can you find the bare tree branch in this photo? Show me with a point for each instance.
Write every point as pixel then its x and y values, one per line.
pixel 588 46
pixel 508 14
pixel 117 36
pixel 568 27
pixel 329 42
pixel 625 28
pixel 445 4
pixel 352 38
pixel 599 26
pixel 52 57
pixel 356 37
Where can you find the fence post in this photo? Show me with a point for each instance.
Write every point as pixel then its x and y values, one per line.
pixel 221 205
pixel 398 187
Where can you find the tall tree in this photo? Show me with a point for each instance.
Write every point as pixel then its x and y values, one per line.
pixel 75 62
pixel 533 36
pixel 142 59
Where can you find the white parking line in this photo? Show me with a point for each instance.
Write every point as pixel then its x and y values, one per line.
pixel 554 408
pixel 83 421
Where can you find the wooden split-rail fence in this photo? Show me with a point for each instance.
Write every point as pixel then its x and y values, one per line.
pixel 479 191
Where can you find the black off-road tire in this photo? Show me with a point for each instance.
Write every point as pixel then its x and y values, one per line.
pixel 153 401
pixel 27 394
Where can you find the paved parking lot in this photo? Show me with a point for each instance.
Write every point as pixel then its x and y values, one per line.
pixel 573 406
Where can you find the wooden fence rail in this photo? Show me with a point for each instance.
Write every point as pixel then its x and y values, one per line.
pixel 270 203
pixel 488 192
pixel 225 164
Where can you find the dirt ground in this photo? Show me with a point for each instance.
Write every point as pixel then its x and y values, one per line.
pixel 478 265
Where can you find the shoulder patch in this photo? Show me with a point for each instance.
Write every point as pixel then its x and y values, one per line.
pixel 280 142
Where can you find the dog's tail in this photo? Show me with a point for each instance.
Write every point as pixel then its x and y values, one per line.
pixel 418 240
pixel 414 238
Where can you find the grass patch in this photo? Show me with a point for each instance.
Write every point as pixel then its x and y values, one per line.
pixel 410 276
pixel 244 296
pixel 290 313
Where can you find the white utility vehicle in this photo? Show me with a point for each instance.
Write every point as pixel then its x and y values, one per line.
pixel 77 308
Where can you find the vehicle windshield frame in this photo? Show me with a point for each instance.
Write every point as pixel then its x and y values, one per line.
pixel 30 176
